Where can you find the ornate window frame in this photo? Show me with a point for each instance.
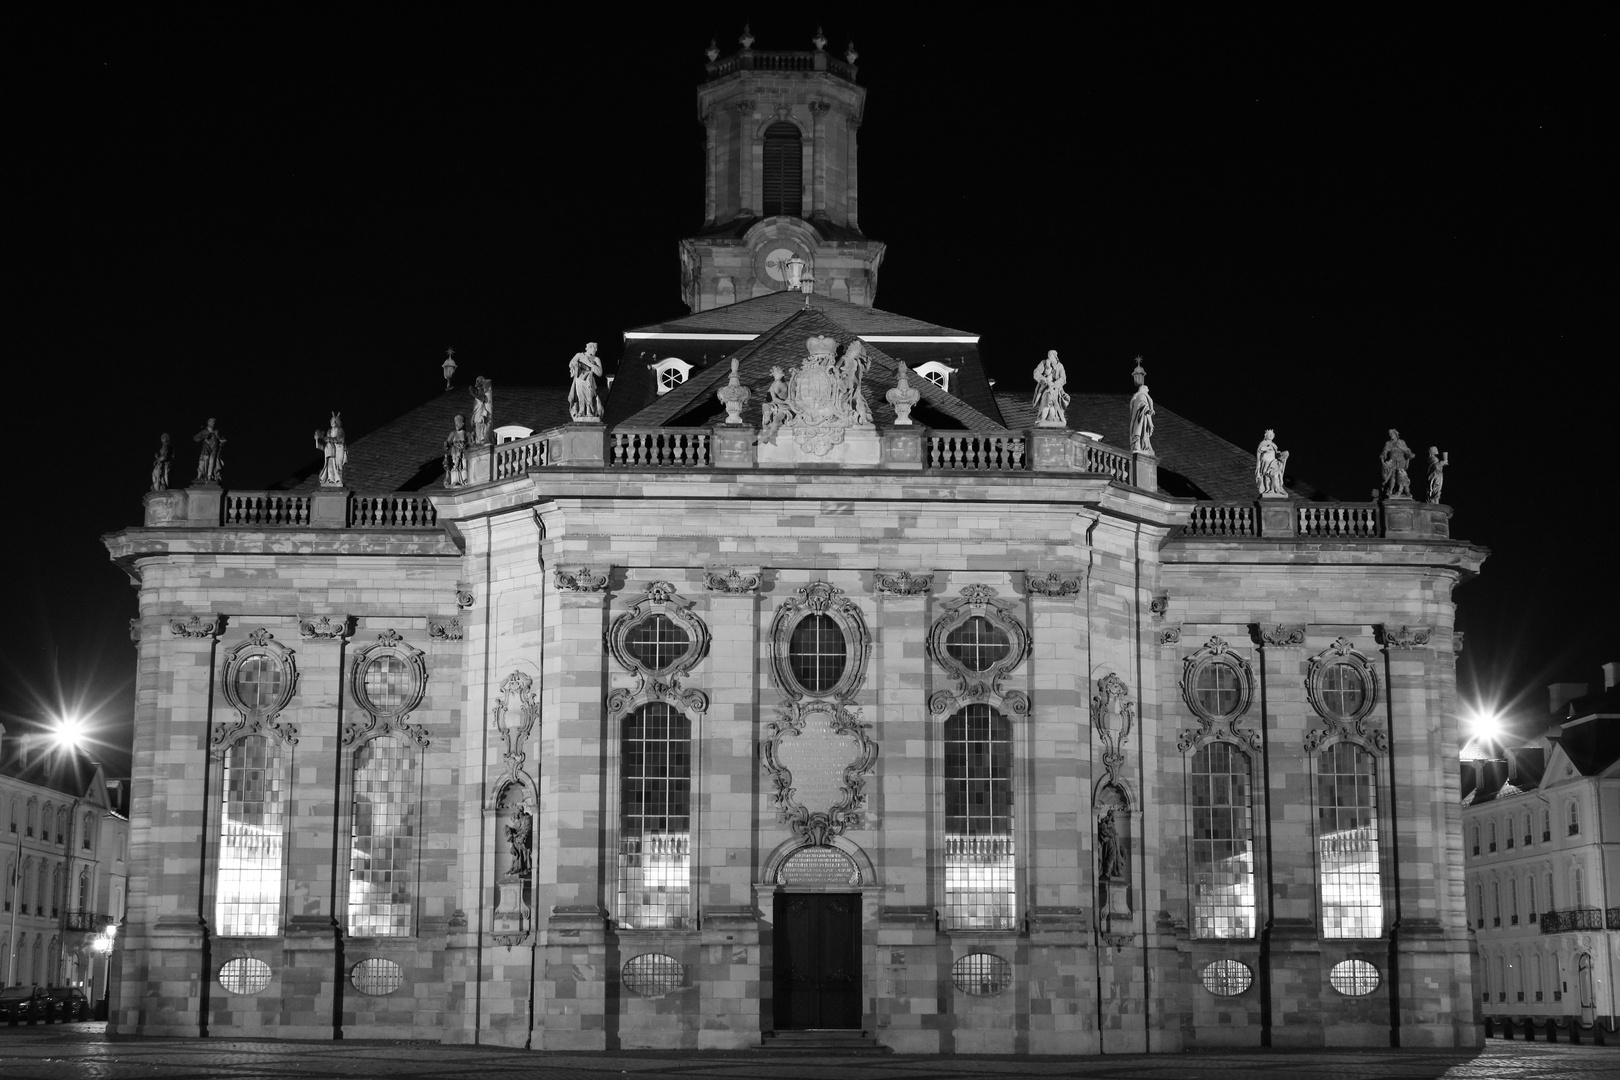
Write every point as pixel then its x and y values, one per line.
pixel 821 598
pixel 1354 726
pixel 978 687
pixel 1212 726
pixel 259 643
pixel 380 722
pixel 658 684
pixel 669 373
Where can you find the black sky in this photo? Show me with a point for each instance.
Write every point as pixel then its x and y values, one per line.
pixel 1326 226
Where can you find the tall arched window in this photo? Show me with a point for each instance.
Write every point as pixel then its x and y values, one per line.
pixel 33 815
pixel 1552 904
pixel 16 813
pixel 1348 870
pixel 1546 825
pixel 1513 901
pixel 655 818
pixel 252 825
pixel 784 170
pixel 10 882
pixel 1501 979
pixel 1536 983
pixel 382 855
pixel 1574 817
pixel 1496 903
pixel 84 889
pixel 1476 839
pixel 1221 847
pixel 61 825
pixel 1479 903
pixel 56 892
pixel 980 879
pixel 1492 829
pixel 1529 837
pixel 1577 881
pixel 45 816
pixel 87 837
pixel 1530 893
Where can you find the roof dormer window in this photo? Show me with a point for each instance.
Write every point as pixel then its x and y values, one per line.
pixel 936 373
pixel 670 373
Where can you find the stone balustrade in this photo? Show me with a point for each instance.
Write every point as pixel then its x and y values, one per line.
pixel 1221 519
pixel 207 506
pixel 266 509
pixel 761 60
pixel 974 451
pixel 1394 519
pixel 400 510
pixel 1357 521
pixel 519 456
pixel 660 448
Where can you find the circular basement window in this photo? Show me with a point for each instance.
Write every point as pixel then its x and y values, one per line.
pixel 981 974
pixel 1354 978
pixel 244 975
pixel 1227 978
pixel 377 977
pixel 653 974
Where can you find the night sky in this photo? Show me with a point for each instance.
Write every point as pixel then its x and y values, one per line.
pixel 1326 227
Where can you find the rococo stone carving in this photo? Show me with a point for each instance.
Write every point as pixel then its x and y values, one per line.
pixel 135 631
pixel 1343 714
pixel 445 629
pixel 1113 715
pixel 464 597
pixel 1170 635
pixel 1405 637
pixel 1159 606
pixel 983 684
pixel 514 731
pixel 903 583
pixel 580 579
pixel 324 627
pixel 273 667
pixel 729 579
pixel 1282 635
pixel 658 683
pixel 824 394
pixel 1055 584
pixel 820 598
pixel 387 719
pixel 1221 724
pixel 197 626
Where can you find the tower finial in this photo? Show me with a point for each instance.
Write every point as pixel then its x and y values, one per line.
pixel 850 55
pixel 819 41
pixel 713 51
pixel 747 39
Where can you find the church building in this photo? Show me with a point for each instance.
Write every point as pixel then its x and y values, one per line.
pixel 798 688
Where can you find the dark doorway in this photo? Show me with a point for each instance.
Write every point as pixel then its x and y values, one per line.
pixel 818 961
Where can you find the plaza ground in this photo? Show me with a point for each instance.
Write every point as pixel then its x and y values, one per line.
pixel 84 1051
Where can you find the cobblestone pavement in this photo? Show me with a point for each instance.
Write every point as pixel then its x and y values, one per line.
pixel 84 1051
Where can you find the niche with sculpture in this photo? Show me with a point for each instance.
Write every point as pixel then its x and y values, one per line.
pixel 1112 817
pixel 513 810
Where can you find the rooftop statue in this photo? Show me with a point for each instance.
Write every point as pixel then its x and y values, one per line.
pixel 455 454
pixel 1396 456
pixel 1437 468
pixel 210 463
pixel 1050 398
pixel 483 417
pixel 903 396
pixel 776 410
pixel 855 365
pixel 1141 412
pixel 734 395
pixel 335 449
pixel 584 406
pixel 160 465
pixel 1269 464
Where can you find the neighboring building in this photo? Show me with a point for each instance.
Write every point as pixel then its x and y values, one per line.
pixel 1541 832
pixel 962 734
pixel 63 845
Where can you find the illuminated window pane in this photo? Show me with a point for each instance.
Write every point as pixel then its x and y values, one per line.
pixel 1342 691
pixel 382 855
pixel 1222 843
pixel 244 975
pixel 816 653
pixel 1355 978
pixel 252 824
pixel 1227 978
pixel 981 974
pixel 657 642
pixel 258 682
pixel 653 975
pixel 980 877
pixel 1347 843
pixel 388 684
pixel 977 644
pixel 377 977
pixel 655 839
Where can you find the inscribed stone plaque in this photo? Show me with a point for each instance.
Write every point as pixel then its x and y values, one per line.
pixel 818 866
pixel 817 758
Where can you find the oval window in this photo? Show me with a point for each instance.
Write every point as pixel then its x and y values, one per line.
pixel 1227 978
pixel 1343 691
pixel 388 684
pixel 377 977
pixel 1217 690
pixel 981 974
pixel 244 975
pixel 657 642
pixel 258 682
pixel 653 974
pixel 977 644
pixel 816 653
pixel 1354 978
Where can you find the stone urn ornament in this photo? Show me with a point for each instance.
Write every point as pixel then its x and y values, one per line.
pixel 734 395
pixel 903 397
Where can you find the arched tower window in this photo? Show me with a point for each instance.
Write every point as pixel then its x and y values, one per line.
pixel 784 170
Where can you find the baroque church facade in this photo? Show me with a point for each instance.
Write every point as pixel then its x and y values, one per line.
pixel 799 686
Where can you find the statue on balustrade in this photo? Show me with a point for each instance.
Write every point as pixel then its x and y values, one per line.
pixel 1050 398
pixel 855 363
pixel 160 465
pixel 1269 464
pixel 1141 413
pixel 335 452
pixel 1437 468
pixel 584 406
pixel 210 463
pixel 1396 456
pixel 776 411
pixel 455 454
pixel 483 416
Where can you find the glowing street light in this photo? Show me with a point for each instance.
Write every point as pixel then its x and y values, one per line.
pixel 71 733
pixel 1485 725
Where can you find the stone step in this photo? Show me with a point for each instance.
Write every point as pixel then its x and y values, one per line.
pixel 824 1041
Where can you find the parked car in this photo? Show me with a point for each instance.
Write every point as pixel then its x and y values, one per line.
pixel 71 1005
pixel 26 1004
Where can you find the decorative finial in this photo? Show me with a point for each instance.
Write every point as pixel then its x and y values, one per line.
pixel 819 41
pixel 747 39
pixel 850 55
pixel 449 366
pixel 713 51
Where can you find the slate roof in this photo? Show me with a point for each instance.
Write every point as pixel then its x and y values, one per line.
pixel 760 313
pixel 694 402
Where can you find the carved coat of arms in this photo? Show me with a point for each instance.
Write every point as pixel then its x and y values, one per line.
pixel 825 394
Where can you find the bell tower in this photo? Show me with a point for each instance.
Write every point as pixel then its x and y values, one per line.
pixel 780 168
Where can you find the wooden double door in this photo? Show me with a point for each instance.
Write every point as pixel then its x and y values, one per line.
pixel 817 967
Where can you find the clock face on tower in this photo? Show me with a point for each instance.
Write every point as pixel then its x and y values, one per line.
pixel 771 259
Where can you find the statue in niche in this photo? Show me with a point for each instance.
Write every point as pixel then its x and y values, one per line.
pixel 776 411
pixel 483 416
pixel 855 364
pixel 335 451
pixel 211 462
pixel 1269 464
pixel 1396 456
pixel 1110 849
pixel 160 465
pixel 1437 468
pixel 455 454
pixel 584 406
pixel 1051 400
pixel 1141 412
pixel 519 835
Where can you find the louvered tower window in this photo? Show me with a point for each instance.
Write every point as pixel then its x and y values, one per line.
pixel 783 170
